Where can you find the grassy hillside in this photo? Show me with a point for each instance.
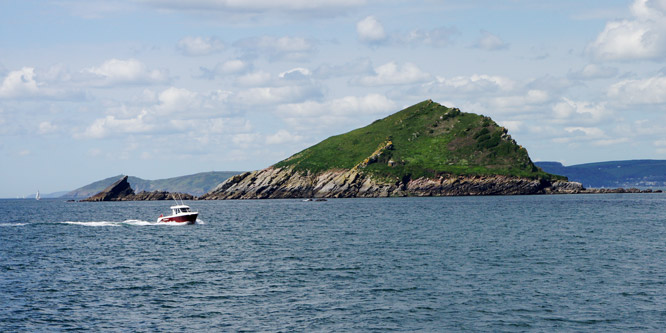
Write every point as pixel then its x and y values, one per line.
pixel 196 184
pixel 612 174
pixel 426 139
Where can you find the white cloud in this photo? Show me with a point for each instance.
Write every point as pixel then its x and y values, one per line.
pixel 490 42
pixel 569 110
pixel 594 135
pixel 19 83
pixel 475 83
pixel 233 66
pixel 199 46
pixel 642 37
pixel 282 137
pixel 254 79
pixel 173 110
pixel 46 127
pixel 298 73
pixel 370 30
pixel 391 74
pixel 644 91
pixel 277 48
pixel 521 102
pixel 229 67
pixel 131 71
pixel 177 99
pixel 276 95
pixel 28 83
pixel 512 125
pixel 316 115
pixel 108 125
pixel 438 37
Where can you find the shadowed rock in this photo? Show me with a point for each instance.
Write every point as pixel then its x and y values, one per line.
pixel 122 191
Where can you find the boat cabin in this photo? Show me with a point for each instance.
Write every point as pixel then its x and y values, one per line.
pixel 180 209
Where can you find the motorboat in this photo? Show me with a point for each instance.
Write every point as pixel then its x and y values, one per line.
pixel 180 214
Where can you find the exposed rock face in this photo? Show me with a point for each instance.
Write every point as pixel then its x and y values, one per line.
pixel 286 183
pixel 159 195
pixel 122 191
pixel 115 191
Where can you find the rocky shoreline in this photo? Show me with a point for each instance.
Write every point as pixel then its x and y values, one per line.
pixel 285 183
pixel 274 183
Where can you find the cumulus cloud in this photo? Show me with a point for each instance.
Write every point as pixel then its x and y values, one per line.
pixel 311 115
pixel 282 137
pixel 276 48
pixel 46 127
pixel 199 46
pixel 490 42
pixel 103 127
pixel 371 31
pixel 438 37
pixel 641 91
pixel 475 83
pixel 26 83
pixel 521 102
pixel 119 72
pixel 641 37
pixel 298 73
pixel 19 84
pixel 254 79
pixel 229 67
pixel 579 111
pixel 392 74
pixel 277 95
pixel 174 109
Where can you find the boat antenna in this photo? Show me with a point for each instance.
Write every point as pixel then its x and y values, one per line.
pixel 181 199
pixel 174 199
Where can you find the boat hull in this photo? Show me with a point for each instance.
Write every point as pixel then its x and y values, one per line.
pixel 180 218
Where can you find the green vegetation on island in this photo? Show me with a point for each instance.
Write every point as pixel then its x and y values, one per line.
pixel 425 140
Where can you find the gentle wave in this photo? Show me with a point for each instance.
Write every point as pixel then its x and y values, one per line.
pixel 126 222
pixel 12 224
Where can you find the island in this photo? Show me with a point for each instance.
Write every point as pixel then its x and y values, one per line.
pixel 424 150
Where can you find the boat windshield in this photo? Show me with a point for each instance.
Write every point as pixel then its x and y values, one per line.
pixel 181 210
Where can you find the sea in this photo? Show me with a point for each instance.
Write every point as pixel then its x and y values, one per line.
pixel 592 262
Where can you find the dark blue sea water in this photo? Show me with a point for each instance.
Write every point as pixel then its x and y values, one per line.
pixel 505 263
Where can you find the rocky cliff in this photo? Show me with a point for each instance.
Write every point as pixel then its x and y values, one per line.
pixel 272 183
pixel 122 191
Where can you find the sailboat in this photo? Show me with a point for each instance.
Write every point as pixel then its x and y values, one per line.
pixel 37 197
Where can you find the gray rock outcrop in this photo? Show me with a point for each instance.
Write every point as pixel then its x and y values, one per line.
pixel 122 191
pixel 273 182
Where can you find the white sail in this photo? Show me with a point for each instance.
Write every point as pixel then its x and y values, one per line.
pixel 37 197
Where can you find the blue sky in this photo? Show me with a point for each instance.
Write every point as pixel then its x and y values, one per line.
pixel 163 88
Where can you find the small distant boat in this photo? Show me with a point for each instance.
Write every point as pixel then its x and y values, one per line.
pixel 37 197
pixel 181 214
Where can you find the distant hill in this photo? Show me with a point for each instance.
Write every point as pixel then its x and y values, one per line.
pixel 196 184
pixel 613 174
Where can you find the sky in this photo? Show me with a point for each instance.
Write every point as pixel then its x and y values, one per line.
pixel 164 88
